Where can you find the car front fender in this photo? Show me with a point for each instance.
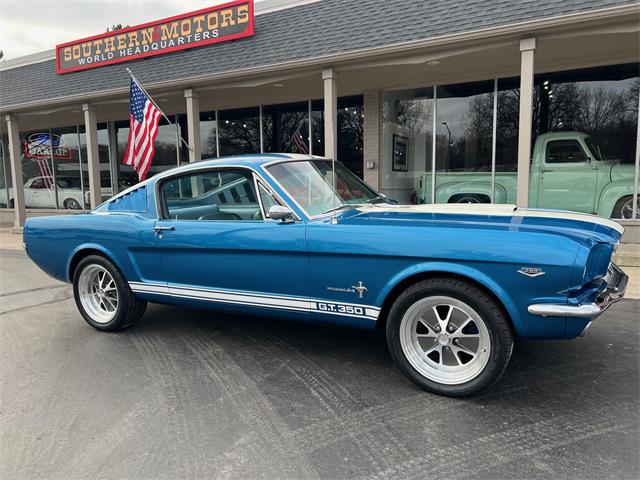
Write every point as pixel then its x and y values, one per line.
pixel 610 194
pixel 455 269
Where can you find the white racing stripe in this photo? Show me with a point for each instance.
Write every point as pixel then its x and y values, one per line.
pixel 505 210
pixel 327 307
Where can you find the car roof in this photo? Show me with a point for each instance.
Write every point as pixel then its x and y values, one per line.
pixel 250 160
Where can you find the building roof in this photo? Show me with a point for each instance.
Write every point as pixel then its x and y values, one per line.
pixel 315 30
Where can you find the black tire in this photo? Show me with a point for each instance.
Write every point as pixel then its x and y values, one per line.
pixel 12 203
pixel 129 308
pixel 71 204
pixel 495 320
pixel 617 209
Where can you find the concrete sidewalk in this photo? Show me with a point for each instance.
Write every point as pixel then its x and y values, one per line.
pixel 628 257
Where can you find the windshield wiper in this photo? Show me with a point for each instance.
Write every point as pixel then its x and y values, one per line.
pixel 340 207
pixel 381 199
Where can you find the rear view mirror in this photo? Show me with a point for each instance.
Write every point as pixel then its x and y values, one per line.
pixel 280 213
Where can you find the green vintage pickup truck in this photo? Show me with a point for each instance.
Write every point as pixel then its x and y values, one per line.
pixel 567 172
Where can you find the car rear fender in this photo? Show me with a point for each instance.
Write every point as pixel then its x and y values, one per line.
pixel 83 250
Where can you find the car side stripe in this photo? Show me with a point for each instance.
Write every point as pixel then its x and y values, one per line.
pixel 259 300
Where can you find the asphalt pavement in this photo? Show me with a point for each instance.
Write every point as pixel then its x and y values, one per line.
pixel 196 394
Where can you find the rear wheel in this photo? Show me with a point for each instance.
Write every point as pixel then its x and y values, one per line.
pixel 449 337
pixel 103 296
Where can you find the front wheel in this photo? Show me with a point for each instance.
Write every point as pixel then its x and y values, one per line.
pixel 449 337
pixel 623 209
pixel 103 296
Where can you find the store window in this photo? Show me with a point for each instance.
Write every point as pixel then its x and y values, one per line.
pixel 5 172
pixel 407 143
pixel 464 135
pixel 585 125
pixel 286 128
pixel 106 190
pixel 239 131
pixel 208 142
pixel 507 124
pixel 350 131
pixel 166 153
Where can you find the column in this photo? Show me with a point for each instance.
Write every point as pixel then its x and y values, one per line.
pixel 15 156
pixel 330 79
pixel 113 157
pixel 527 50
pixel 193 125
pixel 93 159
pixel 372 129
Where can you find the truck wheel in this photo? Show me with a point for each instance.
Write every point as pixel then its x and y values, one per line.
pixel 103 296
pixel 624 208
pixel 449 337
pixel 469 198
pixel 71 204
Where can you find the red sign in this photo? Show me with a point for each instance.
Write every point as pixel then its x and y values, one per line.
pixel 220 23
pixel 43 145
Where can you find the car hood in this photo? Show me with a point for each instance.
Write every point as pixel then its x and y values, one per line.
pixel 581 227
pixel 622 171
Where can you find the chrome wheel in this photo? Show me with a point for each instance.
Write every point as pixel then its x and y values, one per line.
pixel 445 340
pixel 98 293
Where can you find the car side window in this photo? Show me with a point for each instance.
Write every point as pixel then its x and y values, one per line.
pixel 214 195
pixel 565 151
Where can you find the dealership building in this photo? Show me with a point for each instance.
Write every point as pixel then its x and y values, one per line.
pixel 427 101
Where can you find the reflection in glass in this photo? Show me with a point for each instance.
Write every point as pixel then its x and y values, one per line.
pixel 208 126
pixel 406 146
pixel 5 172
pixel 597 107
pixel 239 131
pixel 464 129
pixel 286 128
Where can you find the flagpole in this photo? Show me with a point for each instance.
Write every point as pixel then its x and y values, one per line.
pixel 159 109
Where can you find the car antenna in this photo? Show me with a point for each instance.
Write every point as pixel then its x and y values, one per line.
pixel 334 220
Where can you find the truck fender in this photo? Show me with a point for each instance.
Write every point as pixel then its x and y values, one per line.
pixel 610 194
pixel 456 269
pixel 446 191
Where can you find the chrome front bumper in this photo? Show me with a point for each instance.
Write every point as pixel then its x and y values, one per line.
pixel 616 281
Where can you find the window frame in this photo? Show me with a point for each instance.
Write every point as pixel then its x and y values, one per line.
pixel 161 205
pixel 565 140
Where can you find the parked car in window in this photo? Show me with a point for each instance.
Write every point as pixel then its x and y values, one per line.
pixel 299 237
pixel 567 172
pixel 39 193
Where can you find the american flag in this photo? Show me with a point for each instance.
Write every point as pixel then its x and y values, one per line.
pixel 299 142
pixel 45 171
pixel 143 130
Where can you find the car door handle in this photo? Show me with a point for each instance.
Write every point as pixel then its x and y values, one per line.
pixel 545 171
pixel 160 228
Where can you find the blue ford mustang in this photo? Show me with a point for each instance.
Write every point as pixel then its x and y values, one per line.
pixel 298 237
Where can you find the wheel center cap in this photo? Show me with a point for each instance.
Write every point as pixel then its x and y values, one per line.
pixel 444 338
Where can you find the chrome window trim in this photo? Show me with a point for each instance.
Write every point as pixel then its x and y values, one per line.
pixel 265 167
pixel 261 183
pixel 159 180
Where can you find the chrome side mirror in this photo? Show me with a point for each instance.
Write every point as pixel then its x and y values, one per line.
pixel 282 214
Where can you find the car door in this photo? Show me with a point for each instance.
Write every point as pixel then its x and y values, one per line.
pixel 567 179
pixel 217 246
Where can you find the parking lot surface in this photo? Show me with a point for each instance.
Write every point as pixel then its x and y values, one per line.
pixel 196 394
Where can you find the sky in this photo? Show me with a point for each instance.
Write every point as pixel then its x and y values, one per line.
pixel 30 26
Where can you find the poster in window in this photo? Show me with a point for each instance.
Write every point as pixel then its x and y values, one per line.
pixel 400 153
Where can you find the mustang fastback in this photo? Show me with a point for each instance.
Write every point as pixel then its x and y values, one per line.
pixel 301 237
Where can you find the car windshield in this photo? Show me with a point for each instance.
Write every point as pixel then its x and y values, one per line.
pixel 310 184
